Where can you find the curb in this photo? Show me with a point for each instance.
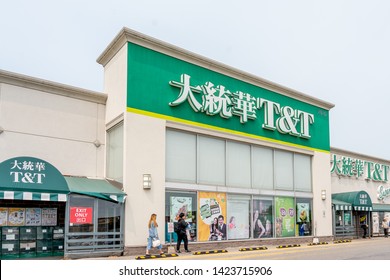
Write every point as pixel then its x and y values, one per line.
pixel 318 243
pixel 288 246
pixel 252 249
pixel 343 241
pixel 156 256
pixel 210 252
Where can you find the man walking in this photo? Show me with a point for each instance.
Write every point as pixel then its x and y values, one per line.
pixel 182 234
pixel 385 225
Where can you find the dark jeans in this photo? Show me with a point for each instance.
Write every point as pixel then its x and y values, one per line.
pixel 386 231
pixel 180 237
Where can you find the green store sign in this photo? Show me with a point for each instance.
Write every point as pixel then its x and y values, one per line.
pixel 31 174
pixel 166 87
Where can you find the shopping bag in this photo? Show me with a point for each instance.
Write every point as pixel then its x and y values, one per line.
pixel 156 242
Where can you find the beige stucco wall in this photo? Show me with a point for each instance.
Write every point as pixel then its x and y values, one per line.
pixel 115 85
pixel 322 209
pixel 144 154
pixel 53 127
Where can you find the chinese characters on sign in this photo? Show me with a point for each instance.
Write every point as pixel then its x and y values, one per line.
pixel 80 215
pixel 363 199
pixel 27 172
pixel 219 100
pixel 351 167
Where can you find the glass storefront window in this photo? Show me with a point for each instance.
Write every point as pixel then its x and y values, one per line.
pixel 238 208
pixel 262 168
pixel 243 216
pixel 115 153
pixel 339 218
pixel 108 216
pixel 284 171
pixel 109 222
pixel 304 216
pixel 181 202
pixel 94 224
pixel 262 218
pixel 194 158
pixel 211 154
pixel 238 165
pixel 284 216
pixel 181 156
pixel 302 172
pixel 348 218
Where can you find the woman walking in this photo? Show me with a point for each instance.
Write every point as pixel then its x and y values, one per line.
pixel 153 234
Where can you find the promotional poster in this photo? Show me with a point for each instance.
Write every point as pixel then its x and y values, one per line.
pixel 238 222
pixel 212 216
pixel 285 216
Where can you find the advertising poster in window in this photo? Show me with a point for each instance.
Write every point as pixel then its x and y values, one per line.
pixel 211 216
pixel 238 222
pixel 49 216
pixel 285 217
pixel 33 217
pixel 3 217
pixel 182 204
pixel 262 218
pixel 303 211
pixel 303 218
pixel 16 216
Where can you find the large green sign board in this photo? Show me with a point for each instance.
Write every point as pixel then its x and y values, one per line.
pixel 167 87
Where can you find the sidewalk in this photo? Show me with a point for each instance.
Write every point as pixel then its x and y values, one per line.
pixel 197 254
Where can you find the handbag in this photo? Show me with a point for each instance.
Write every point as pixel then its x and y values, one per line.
pixel 156 242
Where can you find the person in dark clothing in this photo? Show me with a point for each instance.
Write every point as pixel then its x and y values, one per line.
pixel 182 234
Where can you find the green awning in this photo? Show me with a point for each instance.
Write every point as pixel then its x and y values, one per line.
pixel 360 201
pixel 341 205
pixel 380 207
pixel 28 195
pixel 29 178
pixel 98 188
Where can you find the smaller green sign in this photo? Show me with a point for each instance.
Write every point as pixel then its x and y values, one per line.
pixel 31 174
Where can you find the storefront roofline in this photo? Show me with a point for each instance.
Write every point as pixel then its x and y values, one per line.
pixel 52 87
pixel 129 35
pixel 380 207
pixel 339 151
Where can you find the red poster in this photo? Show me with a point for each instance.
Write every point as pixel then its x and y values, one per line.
pixel 81 215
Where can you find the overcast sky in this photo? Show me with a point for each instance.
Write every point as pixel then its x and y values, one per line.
pixel 334 50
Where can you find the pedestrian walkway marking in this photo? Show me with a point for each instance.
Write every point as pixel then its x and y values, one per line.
pixel 253 249
pixel 210 252
pixel 155 256
pixel 288 246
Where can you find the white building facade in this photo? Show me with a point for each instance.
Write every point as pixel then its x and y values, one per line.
pixel 213 141
pixel 360 194
pixel 173 132
pixel 54 199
